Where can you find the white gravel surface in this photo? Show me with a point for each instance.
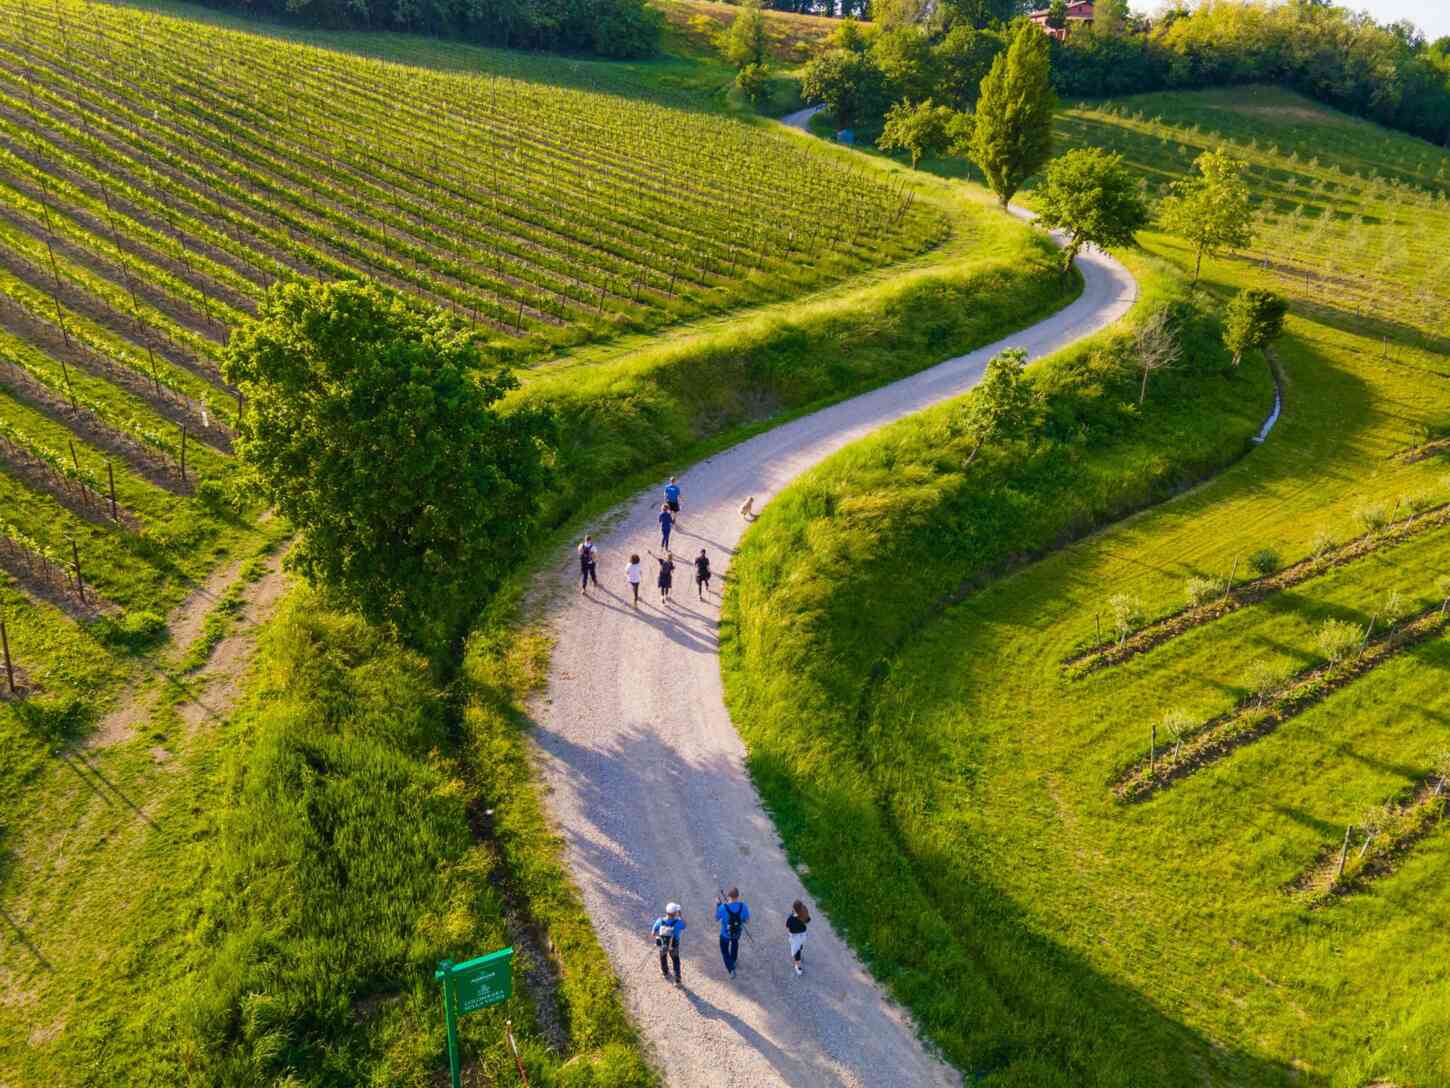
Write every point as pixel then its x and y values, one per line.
pixel 646 778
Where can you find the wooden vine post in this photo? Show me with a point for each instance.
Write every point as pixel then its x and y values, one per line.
pixel 1153 750
pixel 183 453
pixel 111 479
pixel 5 643
pixel 1343 853
pixel 75 552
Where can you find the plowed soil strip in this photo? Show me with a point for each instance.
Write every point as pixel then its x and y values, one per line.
pixel 1424 451
pixel 81 500
pixel 1106 654
pixel 52 583
pixel 1222 736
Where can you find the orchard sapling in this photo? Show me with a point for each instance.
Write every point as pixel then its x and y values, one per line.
pixel 1157 347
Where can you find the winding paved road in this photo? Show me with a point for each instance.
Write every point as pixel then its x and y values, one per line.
pixel 647 782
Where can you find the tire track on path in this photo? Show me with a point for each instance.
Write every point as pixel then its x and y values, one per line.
pixel 646 781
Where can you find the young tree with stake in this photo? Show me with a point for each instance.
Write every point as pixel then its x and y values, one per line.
pixel 372 426
pixel 1157 348
pixel 1212 211
pixel 1012 137
pixel 1088 194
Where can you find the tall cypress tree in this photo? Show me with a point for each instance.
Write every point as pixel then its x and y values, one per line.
pixel 1012 137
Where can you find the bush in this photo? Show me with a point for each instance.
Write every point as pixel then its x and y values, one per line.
pixel 1337 639
pixel 1322 544
pixel 1396 609
pixel 1373 517
pixel 1202 589
pixel 1265 561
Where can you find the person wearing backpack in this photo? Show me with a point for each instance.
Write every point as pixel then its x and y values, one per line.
pixel 588 562
pixel 734 914
pixel 795 926
pixel 666 932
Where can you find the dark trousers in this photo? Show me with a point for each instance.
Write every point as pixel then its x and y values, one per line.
pixel 672 950
pixel 665 536
pixel 635 586
pixel 729 951
pixel 587 575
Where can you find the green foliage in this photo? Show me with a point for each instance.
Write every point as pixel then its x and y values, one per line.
pixel 1264 561
pixel 1254 319
pixel 753 81
pixel 133 631
pixel 1202 589
pixel 850 37
pixel 1337 639
pixel 1057 14
pixel 919 130
pixel 1012 138
pixel 1212 210
pixel 1002 406
pixel 1089 194
pixel 905 57
pixel 744 42
pixel 962 60
pixel 370 427
pixel 848 84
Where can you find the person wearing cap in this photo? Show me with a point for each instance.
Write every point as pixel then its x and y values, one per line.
pixel 666 932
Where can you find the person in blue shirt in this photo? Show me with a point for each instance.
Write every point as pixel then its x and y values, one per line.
pixel 733 913
pixel 666 932
pixel 667 522
pixel 672 497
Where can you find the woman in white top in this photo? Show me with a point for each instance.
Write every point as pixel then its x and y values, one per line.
pixel 632 572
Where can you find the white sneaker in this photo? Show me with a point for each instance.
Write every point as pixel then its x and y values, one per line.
pixel 798 969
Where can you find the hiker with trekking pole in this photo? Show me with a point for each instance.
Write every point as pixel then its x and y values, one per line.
pixel 733 914
pixel 666 932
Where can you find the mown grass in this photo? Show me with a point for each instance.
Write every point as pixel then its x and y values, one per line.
pixel 1052 934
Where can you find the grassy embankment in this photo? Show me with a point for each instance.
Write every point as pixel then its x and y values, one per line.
pixel 1054 933
pixel 265 895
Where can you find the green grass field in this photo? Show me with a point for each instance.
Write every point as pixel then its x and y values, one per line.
pixel 1043 930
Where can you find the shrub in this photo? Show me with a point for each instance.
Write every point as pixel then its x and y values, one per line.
pixel 1322 544
pixel 1201 589
pixel 1373 517
pixel 1127 613
pixel 1265 561
pixel 1396 609
pixel 1337 639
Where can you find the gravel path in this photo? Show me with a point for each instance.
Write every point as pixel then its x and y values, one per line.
pixel 646 775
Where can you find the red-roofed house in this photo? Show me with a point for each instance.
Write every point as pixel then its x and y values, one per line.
pixel 1078 14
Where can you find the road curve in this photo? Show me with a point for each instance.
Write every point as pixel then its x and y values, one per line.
pixel 646 775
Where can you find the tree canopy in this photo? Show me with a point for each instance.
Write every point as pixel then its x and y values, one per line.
pixel 1090 195
pixel 371 426
pixel 744 42
pixel 919 130
pixel 849 84
pixel 1213 210
pixel 1001 405
pixel 1254 319
pixel 1012 137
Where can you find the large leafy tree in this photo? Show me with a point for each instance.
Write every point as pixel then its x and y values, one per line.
pixel 1002 405
pixel 849 84
pixel 1012 137
pixel 905 57
pixel 922 129
pixel 1091 196
pixel 962 59
pixel 372 426
pixel 1212 211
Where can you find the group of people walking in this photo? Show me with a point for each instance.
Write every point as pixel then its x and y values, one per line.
pixel 633 573
pixel 733 914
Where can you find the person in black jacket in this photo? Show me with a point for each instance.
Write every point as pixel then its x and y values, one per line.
pixel 795 925
pixel 702 573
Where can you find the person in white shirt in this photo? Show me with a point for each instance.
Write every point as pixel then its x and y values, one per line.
pixel 633 575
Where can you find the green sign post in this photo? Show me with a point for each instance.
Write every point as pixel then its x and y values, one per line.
pixel 469 986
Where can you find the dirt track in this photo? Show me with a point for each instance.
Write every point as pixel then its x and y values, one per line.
pixel 646 774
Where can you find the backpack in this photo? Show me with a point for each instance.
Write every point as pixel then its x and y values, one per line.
pixel 732 921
